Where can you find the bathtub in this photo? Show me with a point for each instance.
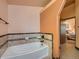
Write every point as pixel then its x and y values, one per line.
pixel 26 51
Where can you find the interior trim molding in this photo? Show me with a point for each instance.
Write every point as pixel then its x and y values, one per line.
pixel 68 18
pixel 29 33
pixel 77 48
pixel 3 35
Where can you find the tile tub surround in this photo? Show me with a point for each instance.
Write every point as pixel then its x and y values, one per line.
pixel 19 38
pixel 21 41
pixel 3 49
pixel 3 39
pixel 3 43
pixel 23 35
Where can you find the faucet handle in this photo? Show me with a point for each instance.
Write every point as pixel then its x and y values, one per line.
pixel 42 40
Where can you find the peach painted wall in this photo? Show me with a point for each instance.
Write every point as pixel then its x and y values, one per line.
pixel 23 19
pixel 3 15
pixel 50 23
pixel 68 11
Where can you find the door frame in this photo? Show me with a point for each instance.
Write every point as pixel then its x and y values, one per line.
pixel 75 26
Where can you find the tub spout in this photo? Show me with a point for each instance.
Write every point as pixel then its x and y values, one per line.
pixel 42 41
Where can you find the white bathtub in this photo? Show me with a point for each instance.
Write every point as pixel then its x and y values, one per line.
pixel 26 51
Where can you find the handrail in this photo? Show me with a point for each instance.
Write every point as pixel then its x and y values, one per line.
pixel 4 21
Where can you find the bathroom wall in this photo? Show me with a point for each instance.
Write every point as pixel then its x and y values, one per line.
pixel 23 19
pixel 77 23
pixel 50 23
pixel 3 15
pixel 3 26
pixel 68 11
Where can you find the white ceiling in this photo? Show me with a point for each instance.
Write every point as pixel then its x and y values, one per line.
pixel 40 3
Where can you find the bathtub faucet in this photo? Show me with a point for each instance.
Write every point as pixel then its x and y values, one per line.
pixel 42 40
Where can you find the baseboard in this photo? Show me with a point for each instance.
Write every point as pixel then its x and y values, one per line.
pixel 77 48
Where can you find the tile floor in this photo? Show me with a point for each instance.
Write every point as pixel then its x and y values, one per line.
pixel 68 50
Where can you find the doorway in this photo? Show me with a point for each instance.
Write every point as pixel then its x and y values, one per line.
pixel 68 38
pixel 68 32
